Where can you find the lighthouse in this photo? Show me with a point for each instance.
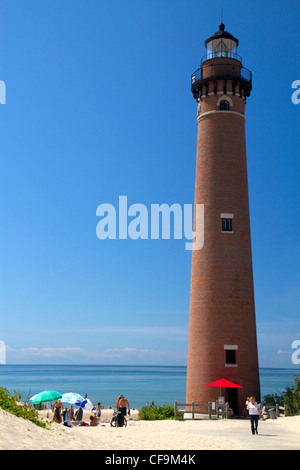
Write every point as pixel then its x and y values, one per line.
pixel 222 326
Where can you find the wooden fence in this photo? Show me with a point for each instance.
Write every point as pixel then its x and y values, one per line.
pixel 215 409
pixel 264 410
pixel 209 409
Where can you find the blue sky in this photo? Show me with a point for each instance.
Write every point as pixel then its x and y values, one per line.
pixel 98 105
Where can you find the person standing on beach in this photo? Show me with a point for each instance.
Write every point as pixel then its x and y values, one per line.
pixel 98 410
pixel 253 409
pixel 122 404
pixel 246 407
pixel 58 409
pixel 71 414
pixel 65 414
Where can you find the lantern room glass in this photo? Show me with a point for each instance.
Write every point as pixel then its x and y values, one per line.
pixel 221 47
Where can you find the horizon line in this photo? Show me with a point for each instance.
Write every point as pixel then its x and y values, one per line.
pixel 128 365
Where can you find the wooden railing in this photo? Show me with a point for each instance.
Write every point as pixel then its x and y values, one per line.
pixel 215 409
pixel 264 410
pixel 210 409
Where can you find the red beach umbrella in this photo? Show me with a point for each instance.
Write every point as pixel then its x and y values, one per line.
pixel 223 383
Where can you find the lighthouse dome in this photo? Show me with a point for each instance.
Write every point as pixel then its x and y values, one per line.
pixel 221 44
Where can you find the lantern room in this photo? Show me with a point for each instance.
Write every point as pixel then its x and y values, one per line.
pixel 221 44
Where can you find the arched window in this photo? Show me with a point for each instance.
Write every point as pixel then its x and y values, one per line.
pixel 224 105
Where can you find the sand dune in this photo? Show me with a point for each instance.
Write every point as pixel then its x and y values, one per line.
pixel 19 434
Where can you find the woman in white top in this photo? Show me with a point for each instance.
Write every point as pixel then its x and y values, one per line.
pixel 253 409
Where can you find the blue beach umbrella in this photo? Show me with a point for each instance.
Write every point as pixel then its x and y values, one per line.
pixel 72 398
pixel 86 404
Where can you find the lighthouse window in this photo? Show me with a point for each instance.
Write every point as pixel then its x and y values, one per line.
pixel 226 225
pixel 224 105
pixel 230 356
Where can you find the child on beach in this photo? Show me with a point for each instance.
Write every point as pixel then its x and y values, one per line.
pixel 98 410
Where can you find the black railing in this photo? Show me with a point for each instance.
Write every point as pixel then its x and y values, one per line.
pixel 214 55
pixel 245 75
pixel 197 75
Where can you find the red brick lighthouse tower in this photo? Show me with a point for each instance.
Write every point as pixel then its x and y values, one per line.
pixel 222 326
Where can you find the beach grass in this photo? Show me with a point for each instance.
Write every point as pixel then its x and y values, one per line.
pixel 153 413
pixel 9 402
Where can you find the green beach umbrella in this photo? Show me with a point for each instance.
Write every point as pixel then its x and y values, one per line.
pixel 46 395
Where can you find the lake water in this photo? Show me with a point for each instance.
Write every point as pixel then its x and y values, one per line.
pixel 140 384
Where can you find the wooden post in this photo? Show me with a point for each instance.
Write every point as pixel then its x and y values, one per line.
pixel 277 410
pixel 175 410
pixel 227 410
pixel 285 410
pixel 193 410
pixel 217 409
pixel 209 409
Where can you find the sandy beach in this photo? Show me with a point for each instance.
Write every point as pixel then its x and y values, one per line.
pixel 280 434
